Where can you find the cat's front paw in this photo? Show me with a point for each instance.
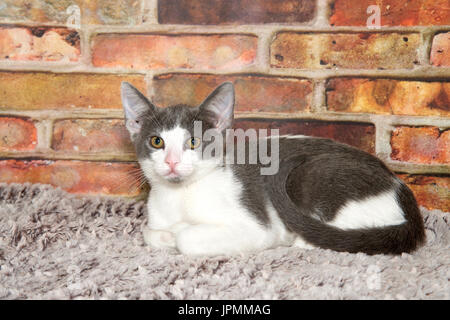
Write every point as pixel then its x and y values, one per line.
pixel 189 241
pixel 203 240
pixel 159 238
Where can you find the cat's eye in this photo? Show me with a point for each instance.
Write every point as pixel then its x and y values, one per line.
pixel 157 142
pixel 193 142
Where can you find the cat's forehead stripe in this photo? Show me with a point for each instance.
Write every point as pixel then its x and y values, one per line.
pixel 175 135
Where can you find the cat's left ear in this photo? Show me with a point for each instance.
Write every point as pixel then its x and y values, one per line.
pixel 220 106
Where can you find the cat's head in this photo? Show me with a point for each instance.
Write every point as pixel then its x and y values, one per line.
pixel 164 139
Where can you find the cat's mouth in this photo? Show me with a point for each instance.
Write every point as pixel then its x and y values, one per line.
pixel 173 177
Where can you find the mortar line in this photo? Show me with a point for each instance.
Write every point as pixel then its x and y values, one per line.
pixel 51 154
pixel 308 26
pixel 86 50
pixel 322 14
pixel 263 52
pixel 42 134
pixel 319 98
pixel 425 47
pixel 149 85
pixel 49 126
pixel 149 12
pixel 324 115
pixel 418 73
pixel 383 129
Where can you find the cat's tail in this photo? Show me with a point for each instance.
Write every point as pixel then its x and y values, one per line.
pixel 394 239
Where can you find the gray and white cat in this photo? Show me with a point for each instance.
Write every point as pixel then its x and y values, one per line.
pixel 325 194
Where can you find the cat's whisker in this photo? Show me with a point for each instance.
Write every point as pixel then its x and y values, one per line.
pixel 128 187
pixel 134 170
pixel 124 182
pixel 141 185
pixel 131 180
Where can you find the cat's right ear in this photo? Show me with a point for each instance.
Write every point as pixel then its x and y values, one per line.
pixel 135 105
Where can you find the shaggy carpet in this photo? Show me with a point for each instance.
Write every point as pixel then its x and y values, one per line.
pixel 54 245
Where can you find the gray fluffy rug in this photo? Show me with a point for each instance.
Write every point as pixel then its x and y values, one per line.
pixel 58 246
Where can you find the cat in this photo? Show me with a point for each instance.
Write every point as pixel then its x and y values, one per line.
pixel 324 194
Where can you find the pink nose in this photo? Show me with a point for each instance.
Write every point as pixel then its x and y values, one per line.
pixel 172 161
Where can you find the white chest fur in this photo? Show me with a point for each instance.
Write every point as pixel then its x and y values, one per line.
pixel 214 199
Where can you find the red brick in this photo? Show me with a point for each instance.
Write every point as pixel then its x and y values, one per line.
pixel 393 12
pixel 440 50
pixel 432 192
pixel 124 12
pixel 387 96
pixel 234 11
pixel 17 134
pixel 359 135
pixel 174 51
pixel 421 145
pixel 353 51
pixel 253 93
pixel 40 44
pixel 39 90
pixel 91 136
pixel 75 176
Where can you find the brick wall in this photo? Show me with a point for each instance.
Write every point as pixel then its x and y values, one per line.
pixel 304 66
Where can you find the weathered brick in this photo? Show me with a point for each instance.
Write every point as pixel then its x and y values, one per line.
pixel 420 145
pixel 388 96
pixel 124 12
pixel 17 134
pixel 359 135
pixel 392 12
pixel 39 90
pixel 353 51
pixel 234 11
pixel 91 136
pixel 440 50
pixel 432 192
pixel 75 176
pixel 253 93
pixel 133 51
pixel 41 44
